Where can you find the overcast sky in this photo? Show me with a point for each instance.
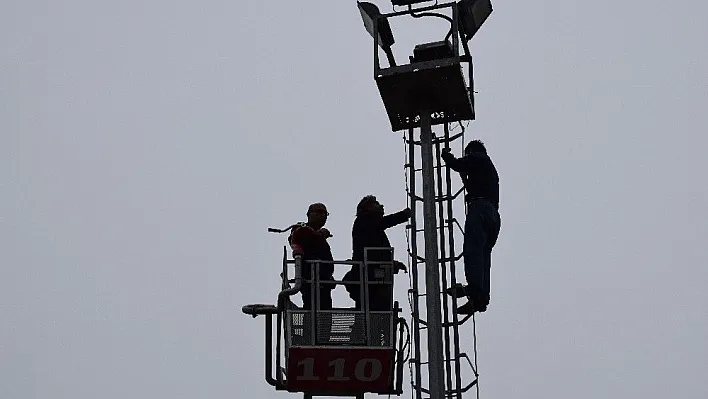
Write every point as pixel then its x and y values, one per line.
pixel 145 147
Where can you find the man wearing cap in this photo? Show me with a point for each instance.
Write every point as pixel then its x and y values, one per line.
pixel 482 224
pixel 310 240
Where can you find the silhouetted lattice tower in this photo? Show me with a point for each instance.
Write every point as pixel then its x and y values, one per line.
pixel 431 90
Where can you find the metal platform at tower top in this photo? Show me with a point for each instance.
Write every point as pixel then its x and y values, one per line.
pixel 437 86
pixel 433 82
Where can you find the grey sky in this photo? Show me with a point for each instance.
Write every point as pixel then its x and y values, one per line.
pixel 146 146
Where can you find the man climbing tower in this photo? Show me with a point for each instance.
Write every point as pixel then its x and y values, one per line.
pixel 481 225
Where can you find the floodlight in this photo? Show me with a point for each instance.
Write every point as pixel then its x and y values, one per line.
pixel 370 13
pixel 472 14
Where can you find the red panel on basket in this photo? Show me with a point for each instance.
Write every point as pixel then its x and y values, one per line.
pixel 340 370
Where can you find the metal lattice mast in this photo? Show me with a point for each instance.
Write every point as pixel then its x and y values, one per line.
pixel 413 293
pixel 430 90
pixel 447 230
pixel 432 273
pixel 446 215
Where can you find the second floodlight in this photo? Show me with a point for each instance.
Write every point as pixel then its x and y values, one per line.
pixel 472 14
pixel 370 14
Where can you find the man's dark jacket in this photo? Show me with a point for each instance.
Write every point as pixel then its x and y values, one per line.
pixel 478 174
pixel 314 247
pixel 369 230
